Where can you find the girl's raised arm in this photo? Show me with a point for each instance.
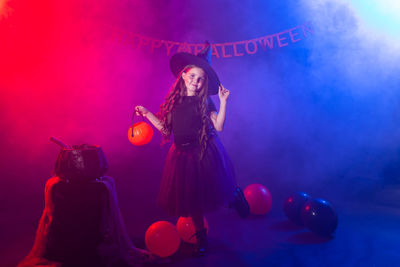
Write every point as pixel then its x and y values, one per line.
pixel 218 119
pixel 157 123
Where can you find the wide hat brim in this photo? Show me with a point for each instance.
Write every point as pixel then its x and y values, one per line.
pixel 181 60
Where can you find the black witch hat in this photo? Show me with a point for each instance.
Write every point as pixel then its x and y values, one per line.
pixel 202 60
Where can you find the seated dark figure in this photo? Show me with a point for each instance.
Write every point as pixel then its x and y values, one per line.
pixel 81 224
pixel 75 233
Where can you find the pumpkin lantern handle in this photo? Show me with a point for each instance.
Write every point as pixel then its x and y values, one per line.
pixel 133 117
pixel 140 133
pixel 60 143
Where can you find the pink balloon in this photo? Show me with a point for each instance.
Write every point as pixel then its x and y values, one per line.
pixel 259 199
pixel 162 239
pixel 186 229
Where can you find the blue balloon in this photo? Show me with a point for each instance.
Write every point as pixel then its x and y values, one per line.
pixel 293 204
pixel 319 216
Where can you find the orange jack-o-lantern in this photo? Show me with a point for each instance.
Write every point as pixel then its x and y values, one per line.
pixel 140 133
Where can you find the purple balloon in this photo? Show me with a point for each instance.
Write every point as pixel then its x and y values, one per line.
pixel 293 204
pixel 319 216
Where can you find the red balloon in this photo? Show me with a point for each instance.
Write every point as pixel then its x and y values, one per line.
pixel 186 229
pixel 142 133
pixel 259 199
pixel 162 239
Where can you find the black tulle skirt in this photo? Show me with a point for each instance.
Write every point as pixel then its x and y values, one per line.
pixel 192 186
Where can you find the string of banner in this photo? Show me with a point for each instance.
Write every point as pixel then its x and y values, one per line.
pixel 218 50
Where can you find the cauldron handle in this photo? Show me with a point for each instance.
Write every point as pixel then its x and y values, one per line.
pixel 60 143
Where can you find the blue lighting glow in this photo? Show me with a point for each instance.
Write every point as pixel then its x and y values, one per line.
pixel 381 15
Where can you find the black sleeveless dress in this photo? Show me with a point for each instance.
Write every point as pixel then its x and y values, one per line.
pixel 191 185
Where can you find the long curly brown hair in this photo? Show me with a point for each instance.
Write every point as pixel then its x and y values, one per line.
pixel 175 96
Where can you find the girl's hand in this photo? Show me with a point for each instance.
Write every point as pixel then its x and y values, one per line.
pixel 141 111
pixel 223 93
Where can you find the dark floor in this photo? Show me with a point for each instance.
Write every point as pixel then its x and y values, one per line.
pixel 365 237
pixel 368 235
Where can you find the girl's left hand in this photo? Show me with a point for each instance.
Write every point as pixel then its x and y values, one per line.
pixel 223 93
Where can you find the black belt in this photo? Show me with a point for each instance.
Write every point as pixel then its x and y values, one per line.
pixel 187 145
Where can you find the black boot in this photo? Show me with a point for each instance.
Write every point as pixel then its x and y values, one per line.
pixel 201 245
pixel 240 203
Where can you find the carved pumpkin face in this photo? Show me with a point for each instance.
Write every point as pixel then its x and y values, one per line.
pixel 140 133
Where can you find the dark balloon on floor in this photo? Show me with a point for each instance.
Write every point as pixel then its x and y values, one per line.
pixel 293 204
pixel 319 216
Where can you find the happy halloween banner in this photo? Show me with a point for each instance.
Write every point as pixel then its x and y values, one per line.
pixel 218 50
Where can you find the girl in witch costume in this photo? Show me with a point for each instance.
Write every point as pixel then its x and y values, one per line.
pixel 198 175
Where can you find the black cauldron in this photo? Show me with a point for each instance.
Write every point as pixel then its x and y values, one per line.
pixel 81 163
